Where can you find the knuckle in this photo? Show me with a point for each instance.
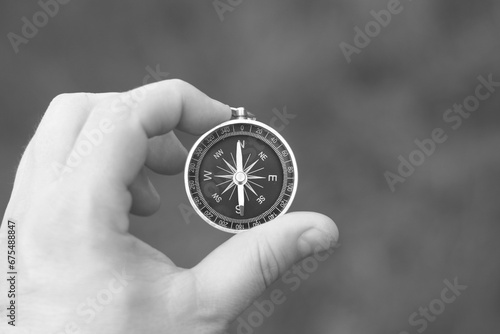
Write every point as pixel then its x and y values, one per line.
pixel 177 83
pixel 175 92
pixel 63 102
pixel 178 87
pixel 69 98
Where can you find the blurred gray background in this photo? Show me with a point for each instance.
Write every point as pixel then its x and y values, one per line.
pixel 352 122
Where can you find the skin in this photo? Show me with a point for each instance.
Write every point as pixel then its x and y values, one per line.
pixel 72 223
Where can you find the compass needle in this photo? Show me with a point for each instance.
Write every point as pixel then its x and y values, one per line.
pixel 239 157
pixel 241 199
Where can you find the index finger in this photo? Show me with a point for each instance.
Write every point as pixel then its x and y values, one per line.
pixel 176 103
pixel 125 122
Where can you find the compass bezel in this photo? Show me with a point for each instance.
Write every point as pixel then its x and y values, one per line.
pixel 245 122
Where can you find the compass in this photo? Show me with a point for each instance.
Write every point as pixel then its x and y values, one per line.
pixel 240 174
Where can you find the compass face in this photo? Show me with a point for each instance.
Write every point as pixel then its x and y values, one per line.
pixel 240 174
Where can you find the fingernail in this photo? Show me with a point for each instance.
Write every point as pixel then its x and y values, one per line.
pixel 315 240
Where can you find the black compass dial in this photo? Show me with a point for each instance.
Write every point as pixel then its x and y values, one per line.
pixel 241 175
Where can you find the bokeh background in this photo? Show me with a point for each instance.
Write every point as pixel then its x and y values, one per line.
pixel 352 121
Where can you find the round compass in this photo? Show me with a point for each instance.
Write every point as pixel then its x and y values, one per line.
pixel 240 174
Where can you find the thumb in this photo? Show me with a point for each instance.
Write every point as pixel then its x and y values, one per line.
pixel 236 273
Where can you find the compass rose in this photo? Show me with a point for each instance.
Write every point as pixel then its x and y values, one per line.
pixel 240 177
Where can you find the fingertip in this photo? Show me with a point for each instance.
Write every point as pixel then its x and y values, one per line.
pixel 146 209
pixel 209 115
pixel 326 225
pixel 306 221
pixel 225 110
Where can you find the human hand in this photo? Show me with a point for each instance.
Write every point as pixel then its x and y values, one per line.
pixel 80 271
